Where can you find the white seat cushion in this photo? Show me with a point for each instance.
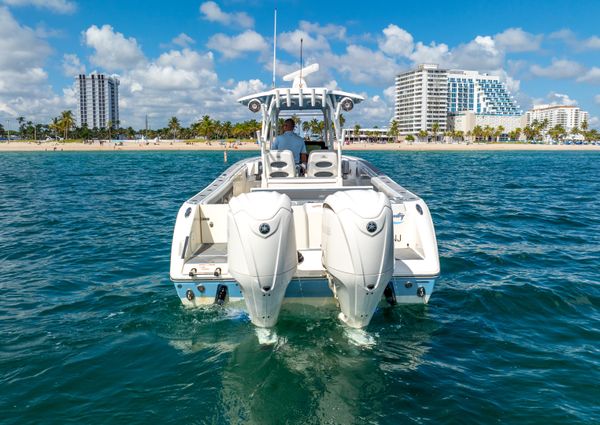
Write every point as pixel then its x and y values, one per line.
pixel 322 164
pixel 281 163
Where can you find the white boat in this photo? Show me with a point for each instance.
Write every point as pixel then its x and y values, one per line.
pixel 262 236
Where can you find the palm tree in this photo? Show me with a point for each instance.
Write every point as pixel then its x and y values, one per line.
pixel 557 132
pixel 477 132
pixel 305 127
pixel 422 134
pixel 410 138
pixel 435 128
pixel 174 126
pixel 109 126
pixel 448 134
pixel 21 120
pixel 66 122
pixel 575 131
pixel 394 131
pixel 499 132
pixel 317 127
pixel 205 127
pixel 226 129
pixel 530 132
pixel 517 133
pixel 488 132
pixel 357 132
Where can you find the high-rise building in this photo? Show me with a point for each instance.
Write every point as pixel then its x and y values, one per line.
pixel 568 117
pixel 421 99
pixel 429 94
pixel 480 94
pixel 98 100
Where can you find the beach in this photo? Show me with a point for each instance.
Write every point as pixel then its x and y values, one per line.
pixel 167 145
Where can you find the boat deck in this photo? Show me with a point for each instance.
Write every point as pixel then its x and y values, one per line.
pixel 216 253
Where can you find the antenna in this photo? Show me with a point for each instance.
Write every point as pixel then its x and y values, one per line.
pixel 301 63
pixel 274 46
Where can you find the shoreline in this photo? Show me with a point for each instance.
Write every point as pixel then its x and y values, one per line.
pixel 183 146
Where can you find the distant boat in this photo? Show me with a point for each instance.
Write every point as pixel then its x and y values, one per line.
pixel 343 232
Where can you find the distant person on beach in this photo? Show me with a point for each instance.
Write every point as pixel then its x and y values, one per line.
pixel 291 141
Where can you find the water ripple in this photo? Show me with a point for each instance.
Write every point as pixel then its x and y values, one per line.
pixel 92 330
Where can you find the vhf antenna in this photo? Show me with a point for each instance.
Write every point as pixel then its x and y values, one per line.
pixel 301 62
pixel 274 46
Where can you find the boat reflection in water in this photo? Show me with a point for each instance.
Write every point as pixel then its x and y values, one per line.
pixel 313 372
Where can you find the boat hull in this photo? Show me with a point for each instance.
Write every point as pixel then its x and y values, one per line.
pixel 315 291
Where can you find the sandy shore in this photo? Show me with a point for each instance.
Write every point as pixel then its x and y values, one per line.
pixel 180 146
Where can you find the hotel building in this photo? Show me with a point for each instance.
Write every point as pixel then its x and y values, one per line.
pixel 455 99
pixel 98 100
pixel 421 99
pixel 568 117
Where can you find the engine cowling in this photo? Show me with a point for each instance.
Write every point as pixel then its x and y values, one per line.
pixel 261 251
pixel 358 251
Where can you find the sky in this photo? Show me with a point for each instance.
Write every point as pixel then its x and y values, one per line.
pixel 193 58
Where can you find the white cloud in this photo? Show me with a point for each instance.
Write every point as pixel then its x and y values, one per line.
pixel 555 99
pixel 182 83
pixel 183 40
pixel 213 13
pixel 396 41
pixel 113 51
pixel 432 53
pixel 591 76
pixel 373 111
pixel 560 68
pixel 72 66
pixel 330 30
pixel 569 37
pixel 232 47
pixel 564 34
pixel 20 46
pixel 480 54
pixel 592 43
pixel 517 40
pixel 244 88
pixel 24 88
pixel 175 70
pixel 290 42
pixel 58 6
pixel 362 65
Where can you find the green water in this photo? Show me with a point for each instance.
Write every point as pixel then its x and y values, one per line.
pixel 91 330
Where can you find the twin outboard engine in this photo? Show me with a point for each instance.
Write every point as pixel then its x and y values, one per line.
pixel 358 251
pixel 261 251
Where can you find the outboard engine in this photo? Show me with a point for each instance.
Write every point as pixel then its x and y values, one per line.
pixel 261 251
pixel 358 251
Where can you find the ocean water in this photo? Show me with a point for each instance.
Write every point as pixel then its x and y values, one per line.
pixel 91 330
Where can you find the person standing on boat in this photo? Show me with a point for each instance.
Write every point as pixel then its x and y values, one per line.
pixel 291 141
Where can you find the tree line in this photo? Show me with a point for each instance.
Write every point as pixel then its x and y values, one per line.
pixel 536 131
pixel 63 127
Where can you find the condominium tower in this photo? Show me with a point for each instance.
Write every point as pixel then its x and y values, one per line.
pixel 430 95
pixel 568 117
pixel 421 99
pixel 98 100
